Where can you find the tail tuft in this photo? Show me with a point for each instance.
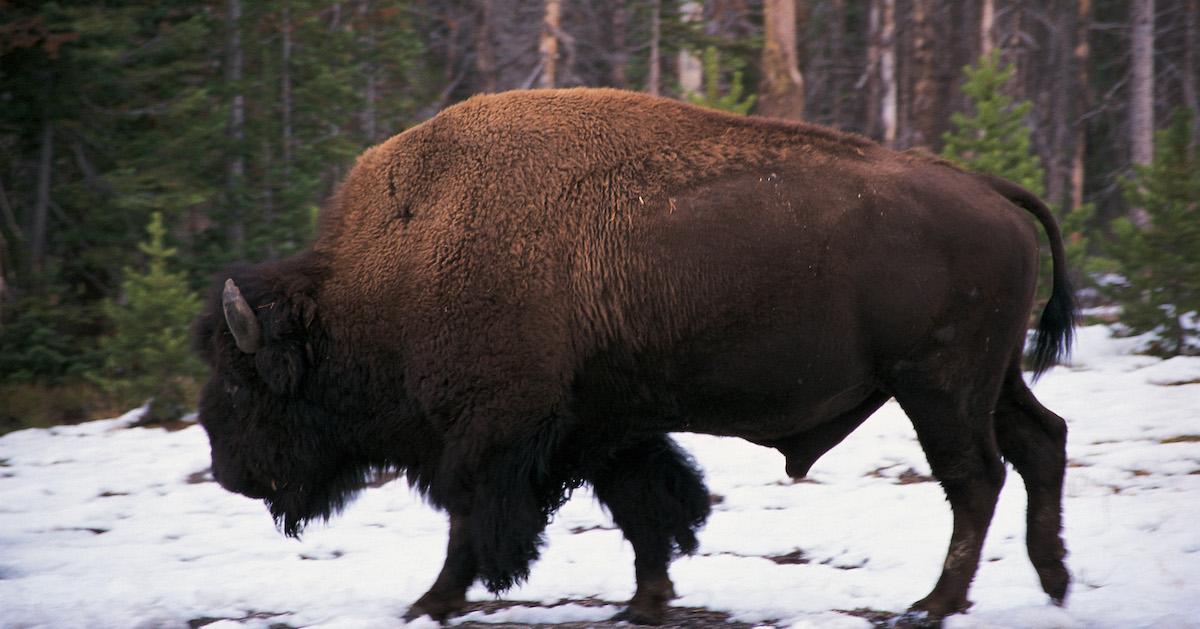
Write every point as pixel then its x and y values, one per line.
pixel 1056 329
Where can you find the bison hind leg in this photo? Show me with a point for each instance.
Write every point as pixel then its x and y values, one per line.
pixel 1034 440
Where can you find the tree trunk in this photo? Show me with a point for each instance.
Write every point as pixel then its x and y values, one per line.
pixel 620 51
pixel 654 74
pixel 485 52
pixel 236 169
pixel 1082 57
pixel 1191 34
pixel 691 71
pixel 41 209
pixel 548 47
pixel 285 93
pixel 837 62
pixel 1141 84
pixel 781 92
pixel 369 116
pixel 926 113
pixel 987 28
pixel 889 103
pixel 1063 105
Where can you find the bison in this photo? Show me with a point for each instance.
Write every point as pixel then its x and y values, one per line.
pixel 529 291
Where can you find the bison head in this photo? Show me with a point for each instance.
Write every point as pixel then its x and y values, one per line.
pixel 272 419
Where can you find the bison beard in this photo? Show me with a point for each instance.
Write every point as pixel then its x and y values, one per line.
pixel 528 292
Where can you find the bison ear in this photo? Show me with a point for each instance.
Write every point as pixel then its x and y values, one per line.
pixel 281 367
pixel 282 360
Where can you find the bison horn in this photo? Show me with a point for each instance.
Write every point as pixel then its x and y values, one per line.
pixel 240 318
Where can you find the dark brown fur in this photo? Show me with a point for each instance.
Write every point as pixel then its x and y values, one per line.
pixel 528 291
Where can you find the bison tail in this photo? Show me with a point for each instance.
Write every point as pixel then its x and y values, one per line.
pixel 1056 328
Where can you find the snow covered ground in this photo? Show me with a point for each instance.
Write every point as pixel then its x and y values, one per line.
pixel 102 525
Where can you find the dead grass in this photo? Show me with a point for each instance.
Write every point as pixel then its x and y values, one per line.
pixel 41 406
pixel 1181 439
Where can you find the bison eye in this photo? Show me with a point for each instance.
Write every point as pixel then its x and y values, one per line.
pixel 231 388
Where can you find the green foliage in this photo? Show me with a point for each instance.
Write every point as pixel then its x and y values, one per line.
pixel 713 95
pixel 995 139
pixel 147 356
pixel 48 340
pixel 1160 261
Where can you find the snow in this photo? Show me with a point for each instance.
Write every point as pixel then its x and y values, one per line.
pixel 105 525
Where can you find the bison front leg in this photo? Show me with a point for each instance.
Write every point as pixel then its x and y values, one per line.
pixel 513 491
pixel 656 496
pixel 448 595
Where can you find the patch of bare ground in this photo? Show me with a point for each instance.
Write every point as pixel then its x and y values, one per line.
pixel 907 477
pixel 677 617
pixel 1181 439
pixel 877 618
pixel 204 621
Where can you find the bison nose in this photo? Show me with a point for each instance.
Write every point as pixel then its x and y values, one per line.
pixel 239 485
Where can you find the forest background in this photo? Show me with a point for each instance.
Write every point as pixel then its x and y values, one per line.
pixel 144 146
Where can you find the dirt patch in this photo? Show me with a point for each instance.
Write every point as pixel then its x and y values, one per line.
pixel 677 617
pixel 795 557
pixel 907 477
pixel 203 476
pixel 205 621
pixel 875 617
pixel 1181 439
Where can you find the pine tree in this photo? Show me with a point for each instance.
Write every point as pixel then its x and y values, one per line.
pixel 995 139
pixel 147 357
pixel 733 100
pixel 1160 262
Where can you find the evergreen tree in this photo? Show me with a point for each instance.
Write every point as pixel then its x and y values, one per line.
pixel 713 96
pixel 1160 262
pixel 147 357
pixel 995 139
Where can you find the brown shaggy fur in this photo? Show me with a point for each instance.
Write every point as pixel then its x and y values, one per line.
pixel 533 285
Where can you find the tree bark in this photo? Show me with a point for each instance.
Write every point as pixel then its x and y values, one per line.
pixel 620 51
pixel 837 62
pixel 781 92
pixel 236 168
pixel 369 116
pixel 41 209
pixel 1082 56
pixel 285 93
pixel 987 28
pixel 1141 84
pixel 485 52
pixel 1191 40
pixel 925 106
pixel 548 46
pixel 1063 106
pixel 889 103
pixel 691 71
pixel 654 74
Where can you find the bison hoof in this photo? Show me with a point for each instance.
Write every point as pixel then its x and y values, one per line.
pixel 929 612
pixel 642 615
pixel 1055 581
pixel 436 607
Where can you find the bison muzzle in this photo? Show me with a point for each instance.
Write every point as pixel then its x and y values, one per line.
pixel 529 291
